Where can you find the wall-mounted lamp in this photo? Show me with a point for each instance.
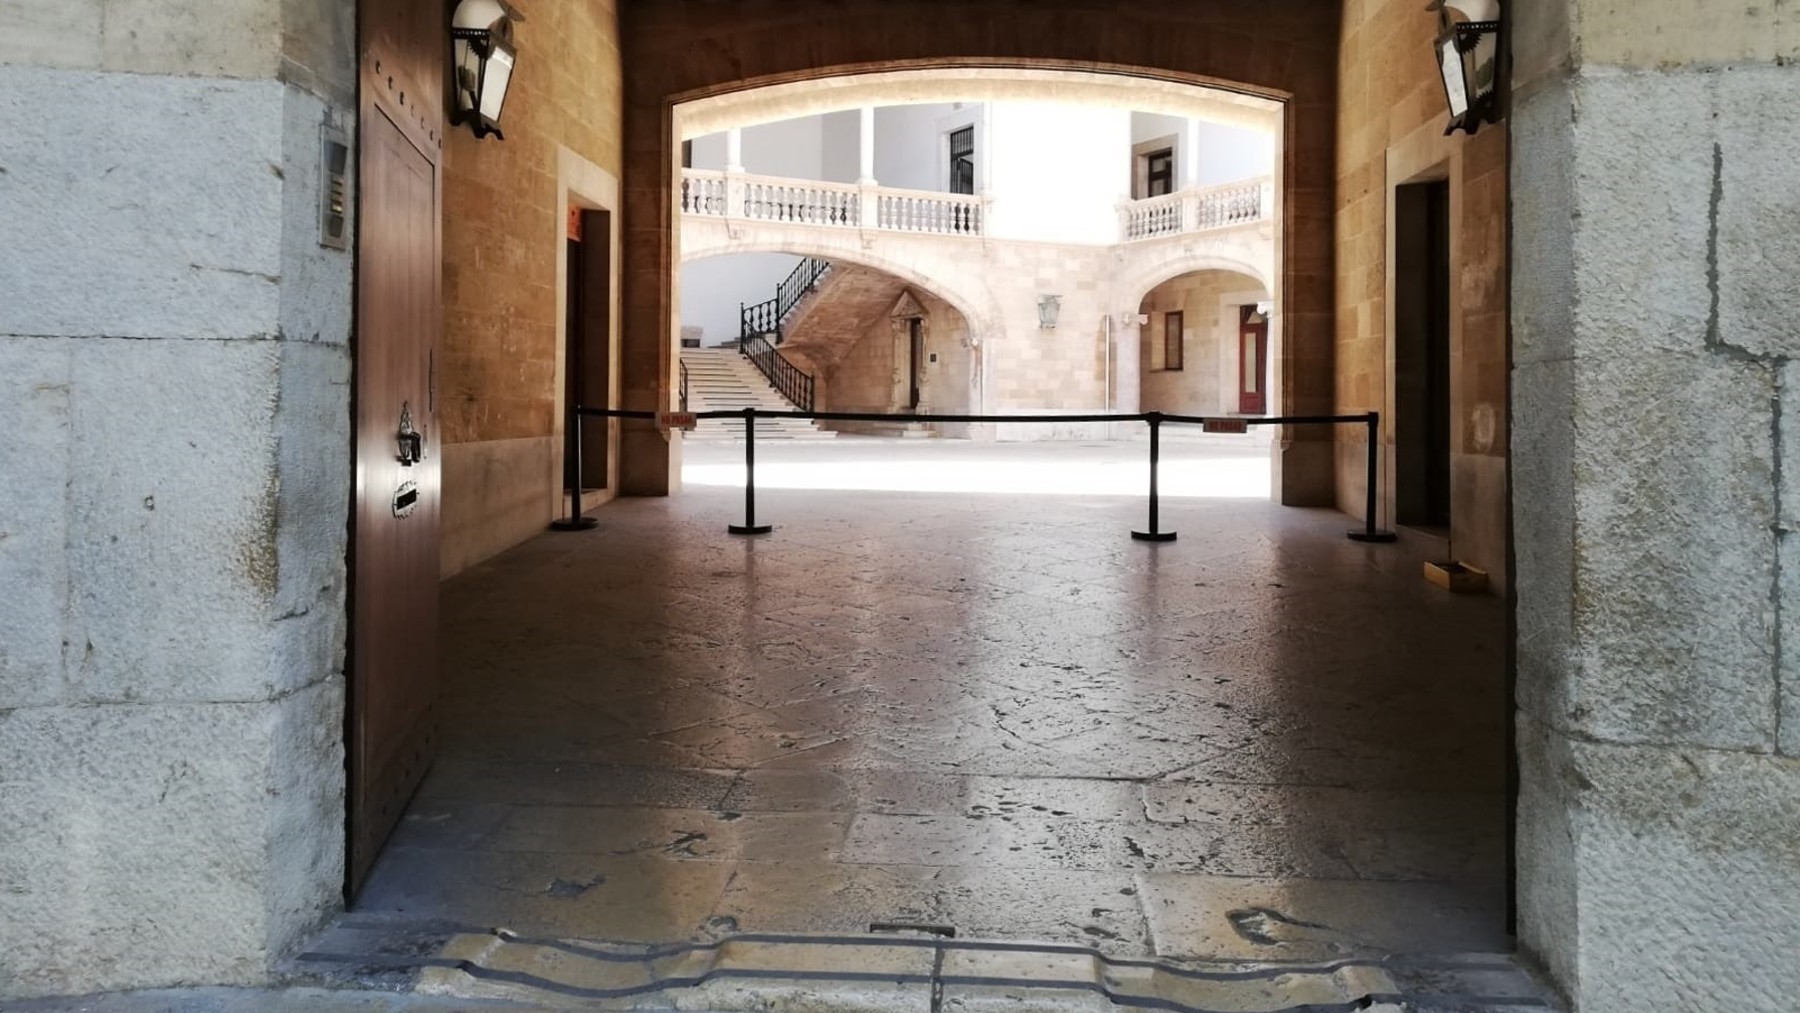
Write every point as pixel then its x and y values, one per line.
pixel 482 57
pixel 1048 308
pixel 1468 58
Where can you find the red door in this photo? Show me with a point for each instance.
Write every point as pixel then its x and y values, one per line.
pixel 1253 361
pixel 399 313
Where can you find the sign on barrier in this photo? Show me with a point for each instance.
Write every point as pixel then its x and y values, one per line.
pixel 1225 426
pixel 676 420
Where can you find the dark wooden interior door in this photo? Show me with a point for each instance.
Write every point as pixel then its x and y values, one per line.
pixel 588 326
pixel 915 359
pixel 394 562
pixel 1253 361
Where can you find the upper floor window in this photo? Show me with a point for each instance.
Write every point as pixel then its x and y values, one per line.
pixel 962 160
pixel 1159 173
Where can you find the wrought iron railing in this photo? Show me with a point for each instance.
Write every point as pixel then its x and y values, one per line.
pixel 801 280
pixel 684 387
pixel 790 380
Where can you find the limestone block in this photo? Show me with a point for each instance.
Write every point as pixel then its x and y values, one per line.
pixel 1643 169
pixel 1758 218
pixel 1548 926
pixel 1543 295
pixel 1666 33
pixel 317 291
pixel 173 553
pixel 311 513
pixel 1686 896
pixel 225 38
pixel 1789 676
pixel 66 34
pixel 34 573
pixel 163 842
pixel 188 169
pixel 1674 550
pixel 1542 453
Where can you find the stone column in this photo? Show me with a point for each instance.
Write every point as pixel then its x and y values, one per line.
pixel 1127 363
pixel 174 390
pixel 1190 155
pixel 1653 316
pixel 866 148
pixel 734 150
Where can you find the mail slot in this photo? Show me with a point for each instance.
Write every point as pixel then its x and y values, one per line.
pixel 406 498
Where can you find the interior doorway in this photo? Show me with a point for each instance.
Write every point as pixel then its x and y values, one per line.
pixel 915 358
pixel 1422 354
pixel 1253 360
pixel 587 373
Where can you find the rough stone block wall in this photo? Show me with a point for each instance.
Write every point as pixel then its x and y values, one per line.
pixel 504 212
pixel 174 386
pixel 1654 461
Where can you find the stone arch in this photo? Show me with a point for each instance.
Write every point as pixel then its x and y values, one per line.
pixel 1288 57
pixel 973 301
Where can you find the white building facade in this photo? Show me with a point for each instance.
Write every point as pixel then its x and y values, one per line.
pixel 1037 242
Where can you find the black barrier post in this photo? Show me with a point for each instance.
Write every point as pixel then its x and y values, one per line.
pixel 1368 532
pixel 576 521
pixel 749 527
pixel 1153 535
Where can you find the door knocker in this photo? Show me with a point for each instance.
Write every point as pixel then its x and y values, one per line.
pixel 412 442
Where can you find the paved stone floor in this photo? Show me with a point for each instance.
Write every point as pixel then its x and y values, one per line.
pixel 981 707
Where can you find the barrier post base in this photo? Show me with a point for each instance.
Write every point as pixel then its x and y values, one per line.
pixel 574 524
pixel 1359 535
pixel 749 529
pixel 1153 536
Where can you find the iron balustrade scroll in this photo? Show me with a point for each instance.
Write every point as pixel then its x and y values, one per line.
pixel 1156 420
pixel 790 380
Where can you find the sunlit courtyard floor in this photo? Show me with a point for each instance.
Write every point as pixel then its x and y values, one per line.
pixel 949 690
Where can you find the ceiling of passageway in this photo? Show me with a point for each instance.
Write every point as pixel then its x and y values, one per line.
pixel 973 84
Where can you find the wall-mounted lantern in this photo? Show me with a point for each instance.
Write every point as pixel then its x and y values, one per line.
pixel 1468 58
pixel 482 57
pixel 1049 306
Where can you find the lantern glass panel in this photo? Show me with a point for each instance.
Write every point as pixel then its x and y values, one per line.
pixel 493 90
pixel 1456 86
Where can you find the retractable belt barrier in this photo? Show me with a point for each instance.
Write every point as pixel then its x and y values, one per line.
pixel 578 521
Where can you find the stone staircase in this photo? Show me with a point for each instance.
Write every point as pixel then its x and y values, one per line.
pixel 719 379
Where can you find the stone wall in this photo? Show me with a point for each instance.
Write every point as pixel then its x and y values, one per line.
pixel 1391 132
pixel 174 390
pixel 689 49
pixel 1653 309
pixel 505 207
pixel 1207 382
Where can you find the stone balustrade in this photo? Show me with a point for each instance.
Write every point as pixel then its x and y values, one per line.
pixel 1198 209
pixel 749 197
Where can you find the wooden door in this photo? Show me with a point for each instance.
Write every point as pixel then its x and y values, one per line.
pixel 394 562
pixel 588 330
pixel 915 360
pixel 1253 361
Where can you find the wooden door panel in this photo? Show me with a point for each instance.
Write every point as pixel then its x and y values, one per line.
pixel 394 564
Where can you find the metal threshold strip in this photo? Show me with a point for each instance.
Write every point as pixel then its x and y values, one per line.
pixel 927 973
